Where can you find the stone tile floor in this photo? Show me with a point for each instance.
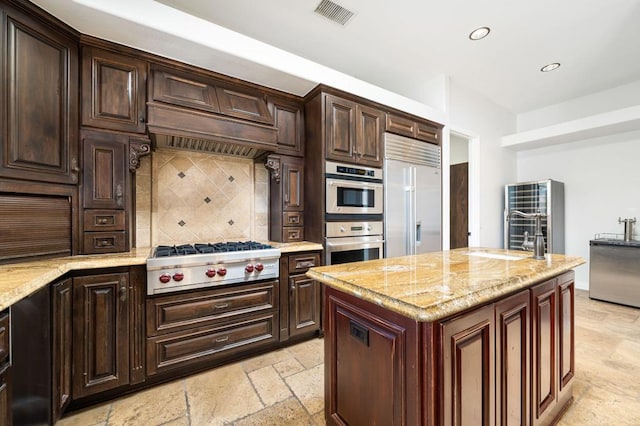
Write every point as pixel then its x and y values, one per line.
pixel 285 387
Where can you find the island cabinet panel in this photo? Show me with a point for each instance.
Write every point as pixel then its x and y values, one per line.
pixel 100 333
pixel 513 317
pixel 566 355
pixel 371 364
pixel 544 300
pixel 468 368
pixel 62 332
pixel 39 100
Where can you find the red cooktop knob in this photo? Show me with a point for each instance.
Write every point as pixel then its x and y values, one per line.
pixel 249 268
pixel 165 278
pixel 178 276
pixel 222 271
pixel 211 272
pixel 259 267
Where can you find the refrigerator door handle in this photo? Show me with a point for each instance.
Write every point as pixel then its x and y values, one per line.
pixel 418 232
pixel 414 212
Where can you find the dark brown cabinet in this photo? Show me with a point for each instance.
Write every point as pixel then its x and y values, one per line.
pixel 61 332
pixel 100 333
pixel 405 126
pixel 5 369
pixel 354 132
pixel 468 356
pixel 301 297
pixel 39 98
pixel 105 192
pixel 286 200
pixel 113 90
pixel 287 116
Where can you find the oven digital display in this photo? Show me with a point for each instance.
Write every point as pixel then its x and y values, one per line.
pixel 357 228
pixel 355 171
pixel 356 197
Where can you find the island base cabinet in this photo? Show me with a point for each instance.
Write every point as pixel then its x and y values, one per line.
pixel 371 369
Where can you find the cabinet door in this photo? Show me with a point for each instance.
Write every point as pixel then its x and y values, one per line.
pixel 566 356
pixel 292 184
pixel 369 133
pixel 40 101
pixel 468 368
pixel 61 336
pixel 100 333
pixel 104 170
pixel 340 115
pixel 543 351
pixel 244 103
pixel 304 305
pixel 113 91
pixel 5 395
pixel 512 359
pixel 288 121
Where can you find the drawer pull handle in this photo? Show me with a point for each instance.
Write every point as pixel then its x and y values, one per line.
pixel 305 264
pixel 222 306
pixel 222 339
pixel 294 219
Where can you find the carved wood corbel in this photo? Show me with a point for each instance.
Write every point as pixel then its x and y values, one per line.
pixel 273 165
pixel 137 148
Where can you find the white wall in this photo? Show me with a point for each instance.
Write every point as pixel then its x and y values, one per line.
pixel 602 183
pixel 476 116
pixel 459 152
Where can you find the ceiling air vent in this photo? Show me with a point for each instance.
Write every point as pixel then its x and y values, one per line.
pixel 334 12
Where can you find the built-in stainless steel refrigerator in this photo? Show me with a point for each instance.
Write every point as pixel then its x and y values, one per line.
pixel 546 197
pixel 412 196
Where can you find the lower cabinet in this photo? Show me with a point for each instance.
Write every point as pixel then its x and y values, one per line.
pixel 5 369
pixel 300 297
pixel 196 329
pixel 61 332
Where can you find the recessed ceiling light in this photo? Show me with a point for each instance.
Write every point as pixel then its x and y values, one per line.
pixel 550 67
pixel 479 33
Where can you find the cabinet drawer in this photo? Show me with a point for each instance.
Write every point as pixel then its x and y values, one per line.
pixel 427 133
pixel 400 125
pixel 292 219
pixel 178 312
pixel 301 262
pixel 4 337
pixel 104 220
pixel 177 350
pixel 292 234
pixel 104 242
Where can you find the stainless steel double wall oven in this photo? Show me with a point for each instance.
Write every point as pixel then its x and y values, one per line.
pixel 354 212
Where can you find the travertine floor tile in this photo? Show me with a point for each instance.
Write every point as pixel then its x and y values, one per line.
pixel 308 386
pixel 288 367
pixel 154 406
pixel 89 417
pixel 269 384
pixel 310 353
pixel 264 360
pixel 220 395
pixel 285 413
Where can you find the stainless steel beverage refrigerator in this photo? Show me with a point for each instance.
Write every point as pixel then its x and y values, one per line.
pixel 412 196
pixel 546 197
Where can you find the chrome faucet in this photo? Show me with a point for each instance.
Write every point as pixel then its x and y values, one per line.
pixel 538 239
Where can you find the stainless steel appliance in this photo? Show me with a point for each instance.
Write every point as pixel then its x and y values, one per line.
pixel 353 242
pixel 353 189
pixel 545 197
pixel 412 196
pixel 191 266
pixel 614 269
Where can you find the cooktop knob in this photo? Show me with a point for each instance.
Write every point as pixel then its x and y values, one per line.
pixel 259 267
pixel 222 271
pixel 165 278
pixel 249 268
pixel 211 272
pixel 178 276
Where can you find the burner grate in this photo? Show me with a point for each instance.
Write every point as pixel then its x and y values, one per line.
pixel 202 248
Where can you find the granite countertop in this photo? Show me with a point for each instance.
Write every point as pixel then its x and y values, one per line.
pixel 432 286
pixel 19 280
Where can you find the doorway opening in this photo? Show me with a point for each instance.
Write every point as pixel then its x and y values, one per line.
pixel 459 200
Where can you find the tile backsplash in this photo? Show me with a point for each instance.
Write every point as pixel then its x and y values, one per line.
pixel 185 197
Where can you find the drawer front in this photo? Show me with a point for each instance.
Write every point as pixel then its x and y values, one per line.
pixel 104 242
pixel 104 220
pixel 301 262
pixel 177 350
pixel 427 133
pixel 178 312
pixel 292 234
pixel 292 219
pixel 4 338
pixel 400 125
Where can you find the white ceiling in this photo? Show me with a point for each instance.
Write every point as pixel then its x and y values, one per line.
pixel 401 45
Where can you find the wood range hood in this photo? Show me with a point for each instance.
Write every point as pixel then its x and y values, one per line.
pixel 203 115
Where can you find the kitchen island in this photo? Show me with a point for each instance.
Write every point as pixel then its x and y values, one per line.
pixel 467 336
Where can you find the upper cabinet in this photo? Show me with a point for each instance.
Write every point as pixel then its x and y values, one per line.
pixel 39 77
pixel 353 131
pixel 288 120
pixel 424 131
pixel 113 90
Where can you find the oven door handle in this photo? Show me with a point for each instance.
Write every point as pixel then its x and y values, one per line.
pixel 366 244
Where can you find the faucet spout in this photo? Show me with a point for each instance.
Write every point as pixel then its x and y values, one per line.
pixel 538 238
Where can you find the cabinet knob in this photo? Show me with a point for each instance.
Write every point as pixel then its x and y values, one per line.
pixel 123 290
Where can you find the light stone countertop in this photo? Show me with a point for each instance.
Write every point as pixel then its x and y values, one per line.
pixel 19 280
pixel 433 286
